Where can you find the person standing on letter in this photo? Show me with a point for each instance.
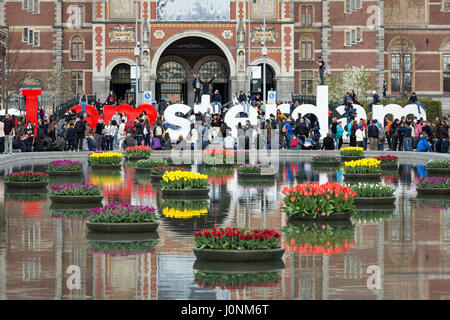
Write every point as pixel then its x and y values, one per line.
pixel 321 64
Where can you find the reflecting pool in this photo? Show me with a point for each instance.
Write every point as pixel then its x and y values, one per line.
pixel 407 246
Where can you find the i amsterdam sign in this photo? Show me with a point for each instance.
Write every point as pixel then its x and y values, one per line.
pixel 321 111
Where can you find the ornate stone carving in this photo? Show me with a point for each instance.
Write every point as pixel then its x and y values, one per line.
pixel 120 9
pixel 258 9
pixel 159 34
pixel 227 34
pixel 122 34
pixel 258 35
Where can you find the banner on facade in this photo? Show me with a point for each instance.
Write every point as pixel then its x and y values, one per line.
pixel 193 10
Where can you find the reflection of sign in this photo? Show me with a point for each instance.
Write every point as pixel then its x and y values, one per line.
pixel 258 35
pixel 193 10
pixel 121 8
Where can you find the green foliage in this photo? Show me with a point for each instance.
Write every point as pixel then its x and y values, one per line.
pixel 232 281
pixel 124 213
pixel 372 190
pixel 318 234
pixel 237 239
pixel 150 163
pixel 373 216
pixel 438 164
pixel 434 107
pixel 122 248
pixel 356 78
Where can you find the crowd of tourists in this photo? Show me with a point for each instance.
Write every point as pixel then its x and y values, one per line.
pixel 298 132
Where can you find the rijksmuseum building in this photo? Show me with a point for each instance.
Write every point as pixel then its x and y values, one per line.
pixel 95 41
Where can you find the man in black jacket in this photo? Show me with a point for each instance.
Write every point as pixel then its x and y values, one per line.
pixel 328 142
pixel 80 128
pixel 373 135
pixel 98 134
pixel 197 84
pixel 205 84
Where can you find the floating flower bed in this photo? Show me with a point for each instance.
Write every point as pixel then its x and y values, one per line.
pixel 328 201
pixel 124 249
pixel 438 167
pixel 64 168
pixel 158 172
pixel 219 176
pixel 237 244
pixel 370 216
pixel 319 239
pixel 184 183
pixel 372 194
pixel 122 218
pixel 362 169
pixel 217 157
pixel 26 179
pixel 260 184
pixel 388 161
pixel 149 164
pixel 326 160
pixel 236 281
pixel 182 161
pixel 351 153
pixel 105 160
pixel 255 171
pixel 137 152
pixel 433 186
pixel 184 209
pixel 76 193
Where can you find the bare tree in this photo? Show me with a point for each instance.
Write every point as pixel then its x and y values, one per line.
pixel 15 65
pixel 401 65
pixel 59 84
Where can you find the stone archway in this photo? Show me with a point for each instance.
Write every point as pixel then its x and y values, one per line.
pixel 221 49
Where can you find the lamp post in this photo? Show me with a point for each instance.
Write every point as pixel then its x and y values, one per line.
pixel 264 53
pixel 136 54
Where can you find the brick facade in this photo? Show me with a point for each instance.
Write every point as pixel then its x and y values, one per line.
pixel 346 33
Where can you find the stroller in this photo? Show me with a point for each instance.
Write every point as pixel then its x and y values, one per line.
pixel 310 145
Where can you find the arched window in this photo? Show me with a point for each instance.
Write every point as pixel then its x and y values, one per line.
pixel 77 48
pixel 445 51
pixel 306 47
pixel 208 69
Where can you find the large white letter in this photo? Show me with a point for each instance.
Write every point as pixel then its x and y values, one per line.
pixel 172 119
pixel 232 121
pixel 205 104
pixel 379 112
pixel 321 111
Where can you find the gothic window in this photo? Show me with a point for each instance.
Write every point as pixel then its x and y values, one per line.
pixel 77 48
pixel 306 47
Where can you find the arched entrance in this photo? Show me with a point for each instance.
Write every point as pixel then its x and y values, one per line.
pixel 195 52
pixel 121 82
pixel 257 84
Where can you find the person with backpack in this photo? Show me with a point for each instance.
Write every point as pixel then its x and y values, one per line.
pixel 42 129
pixel 80 128
pixel 339 134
